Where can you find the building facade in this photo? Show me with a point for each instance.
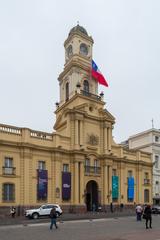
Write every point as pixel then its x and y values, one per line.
pixel 149 141
pixel 78 165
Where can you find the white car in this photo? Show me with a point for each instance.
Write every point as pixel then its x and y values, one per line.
pixel 44 210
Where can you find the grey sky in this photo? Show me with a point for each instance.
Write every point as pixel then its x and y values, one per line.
pixel 127 50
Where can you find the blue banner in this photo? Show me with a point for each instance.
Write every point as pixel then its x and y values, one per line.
pixel 131 188
pixel 66 185
pixel 115 187
pixel 42 186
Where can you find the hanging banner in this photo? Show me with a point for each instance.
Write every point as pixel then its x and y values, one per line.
pixel 115 187
pixel 131 188
pixel 42 186
pixel 66 185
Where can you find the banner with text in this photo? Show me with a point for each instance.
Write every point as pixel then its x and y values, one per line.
pixel 66 185
pixel 42 186
pixel 131 188
pixel 115 188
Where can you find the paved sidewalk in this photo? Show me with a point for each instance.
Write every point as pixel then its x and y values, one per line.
pixel 7 220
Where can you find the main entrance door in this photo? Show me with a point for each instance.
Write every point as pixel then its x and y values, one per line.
pixel 92 196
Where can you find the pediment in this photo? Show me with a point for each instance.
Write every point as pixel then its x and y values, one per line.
pixel 108 116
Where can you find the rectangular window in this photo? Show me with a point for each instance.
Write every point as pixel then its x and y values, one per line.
pixel 114 173
pixel 156 162
pixel 130 173
pixel 65 167
pixel 8 162
pixel 8 192
pixel 156 139
pixel 41 165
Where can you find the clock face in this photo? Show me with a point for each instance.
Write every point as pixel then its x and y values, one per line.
pixel 84 49
pixel 69 51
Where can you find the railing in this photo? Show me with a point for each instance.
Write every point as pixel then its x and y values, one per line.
pixel 41 135
pixel 146 181
pixel 92 170
pixel 88 94
pixel 9 170
pixel 10 129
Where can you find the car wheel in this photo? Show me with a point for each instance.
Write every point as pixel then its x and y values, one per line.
pixel 35 215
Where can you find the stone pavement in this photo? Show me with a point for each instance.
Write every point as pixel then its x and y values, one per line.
pixel 8 220
pixel 116 228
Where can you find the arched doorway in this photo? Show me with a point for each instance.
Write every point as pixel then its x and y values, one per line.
pixel 92 196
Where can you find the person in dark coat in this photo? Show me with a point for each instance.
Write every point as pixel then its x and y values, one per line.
pixel 53 217
pixel 148 216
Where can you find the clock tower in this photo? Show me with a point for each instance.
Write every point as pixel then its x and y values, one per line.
pixel 77 67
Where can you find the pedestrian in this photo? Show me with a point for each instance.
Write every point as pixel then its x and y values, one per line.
pixel 13 212
pixel 53 217
pixel 139 212
pixel 121 207
pixel 111 207
pixel 148 216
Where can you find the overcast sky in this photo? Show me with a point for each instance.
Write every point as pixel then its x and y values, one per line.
pixel 126 48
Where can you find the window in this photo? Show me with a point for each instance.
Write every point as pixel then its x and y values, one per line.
pixel 65 168
pixel 87 165
pixel 130 174
pixel 96 163
pixel 41 165
pixel 146 195
pixel 114 172
pixel 146 175
pixel 156 139
pixel 8 166
pixel 156 161
pixel 86 86
pixel 8 162
pixel 67 91
pixel 8 192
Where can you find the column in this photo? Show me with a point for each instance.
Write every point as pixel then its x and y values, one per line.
pixel 82 183
pixel 76 133
pixel 105 140
pixel 76 184
pixel 109 138
pixel 110 183
pixel 105 185
pixel 123 193
pixel 81 133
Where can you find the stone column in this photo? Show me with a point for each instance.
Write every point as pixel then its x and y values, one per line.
pixel 122 183
pixel 76 133
pixel 81 133
pixel 110 182
pixel 105 185
pixel 81 183
pixel 109 138
pixel 76 184
pixel 105 140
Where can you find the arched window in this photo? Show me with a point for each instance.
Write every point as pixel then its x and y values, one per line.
pixel 86 86
pixel 8 192
pixel 146 195
pixel 67 91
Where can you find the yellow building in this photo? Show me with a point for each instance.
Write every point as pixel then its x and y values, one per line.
pixel 78 166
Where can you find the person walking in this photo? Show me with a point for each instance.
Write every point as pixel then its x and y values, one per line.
pixel 53 217
pixel 13 212
pixel 148 216
pixel 139 211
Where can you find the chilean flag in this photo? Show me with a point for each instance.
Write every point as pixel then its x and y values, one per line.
pixel 98 75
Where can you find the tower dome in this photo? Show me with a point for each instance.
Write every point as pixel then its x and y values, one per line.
pixel 78 28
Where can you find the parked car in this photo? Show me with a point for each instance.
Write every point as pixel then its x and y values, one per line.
pixel 44 210
pixel 156 209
